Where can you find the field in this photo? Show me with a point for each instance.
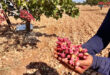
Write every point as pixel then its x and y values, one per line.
pixel 18 58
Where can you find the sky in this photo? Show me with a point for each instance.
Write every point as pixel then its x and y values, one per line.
pixel 79 0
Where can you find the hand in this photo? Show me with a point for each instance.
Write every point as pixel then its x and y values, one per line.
pixel 83 65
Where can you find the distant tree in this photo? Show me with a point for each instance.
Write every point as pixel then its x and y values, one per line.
pixel 94 2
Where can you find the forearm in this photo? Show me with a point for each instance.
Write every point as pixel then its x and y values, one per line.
pixel 95 44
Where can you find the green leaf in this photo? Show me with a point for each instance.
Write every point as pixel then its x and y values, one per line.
pixel 34 1
pixel 50 8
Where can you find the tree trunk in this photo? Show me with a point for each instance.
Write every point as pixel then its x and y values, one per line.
pixel 7 19
pixel 101 8
pixel 28 26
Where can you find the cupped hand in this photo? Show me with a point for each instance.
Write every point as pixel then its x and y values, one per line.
pixel 81 66
pixel 84 64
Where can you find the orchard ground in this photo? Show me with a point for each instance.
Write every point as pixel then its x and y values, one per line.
pixel 21 60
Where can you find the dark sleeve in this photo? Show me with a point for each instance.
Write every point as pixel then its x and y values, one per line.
pixel 97 43
pixel 101 39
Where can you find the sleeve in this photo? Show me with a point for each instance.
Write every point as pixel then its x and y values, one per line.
pixel 101 64
pixel 101 39
pixel 97 43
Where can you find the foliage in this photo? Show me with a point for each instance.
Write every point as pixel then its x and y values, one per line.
pixel 50 8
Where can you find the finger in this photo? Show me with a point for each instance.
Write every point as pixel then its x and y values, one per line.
pixel 83 62
pixel 59 58
pixel 55 52
pixel 55 49
pixel 79 70
pixel 56 56
pixel 77 64
pixel 84 67
pixel 65 60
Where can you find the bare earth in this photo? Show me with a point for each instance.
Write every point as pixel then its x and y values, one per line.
pixel 17 59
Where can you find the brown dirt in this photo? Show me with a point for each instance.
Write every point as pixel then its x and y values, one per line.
pixel 17 59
